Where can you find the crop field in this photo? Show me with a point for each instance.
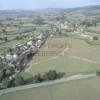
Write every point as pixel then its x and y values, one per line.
pixel 71 56
pixel 71 47
pixel 12 42
pixel 76 90
pixel 95 29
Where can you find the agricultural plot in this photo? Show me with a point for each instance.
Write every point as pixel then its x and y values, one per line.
pixel 76 90
pixel 12 41
pixel 76 57
pixel 73 48
pixel 95 29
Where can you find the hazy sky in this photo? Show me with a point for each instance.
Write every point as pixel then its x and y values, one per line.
pixel 37 4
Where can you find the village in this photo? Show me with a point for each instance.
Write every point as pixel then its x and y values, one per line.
pixel 49 49
pixel 12 63
pixel 22 37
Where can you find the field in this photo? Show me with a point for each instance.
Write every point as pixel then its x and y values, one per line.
pixel 75 90
pixel 72 47
pixel 75 57
pixel 95 29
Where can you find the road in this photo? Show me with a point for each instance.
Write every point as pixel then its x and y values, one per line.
pixel 58 81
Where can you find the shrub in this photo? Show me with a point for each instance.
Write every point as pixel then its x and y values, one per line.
pixel 5 39
pixel 19 80
pixel 98 73
pixel 95 38
pixel 51 75
pixel 37 78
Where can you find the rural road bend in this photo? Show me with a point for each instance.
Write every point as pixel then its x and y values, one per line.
pixel 62 80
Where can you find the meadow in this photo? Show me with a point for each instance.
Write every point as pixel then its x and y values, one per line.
pixel 87 89
pixel 76 56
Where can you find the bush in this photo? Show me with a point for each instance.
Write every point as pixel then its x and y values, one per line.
pixel 98 73
pixel 5 39
pixel 1 75
pixel 4 84
pixel 18 37
pixel 95 38
pixel 37 78
pixel 51 75
pixel 19 80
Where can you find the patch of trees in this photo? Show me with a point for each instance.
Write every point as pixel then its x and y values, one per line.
pixel 38 20
pixel 5 39
pixel 20 37
pixel 95 38
pixel 18 80
pixel 4 31
pixel 6 73
pixel 88 23
pixel 48 76
pixel 98 73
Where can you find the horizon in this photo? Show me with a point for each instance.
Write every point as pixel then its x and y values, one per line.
pixel 43 4
pixel 48 8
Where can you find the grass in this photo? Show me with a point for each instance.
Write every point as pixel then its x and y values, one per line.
pixel 95 29
pixel 76 35
pixel 67 63
pixel 87 89
pixel 12 42
pixel 4 47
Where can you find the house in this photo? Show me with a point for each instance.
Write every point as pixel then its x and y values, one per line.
pixel 14 56
pixel 30 43
pixel 9 57
pixel 38 43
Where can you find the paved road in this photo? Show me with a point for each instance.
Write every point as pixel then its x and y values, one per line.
pixel 62 80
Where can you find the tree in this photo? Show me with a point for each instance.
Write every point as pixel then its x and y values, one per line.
pixel 5 83
pixel 1 24
pixel 20 25
pixel 19 80
pixel 10 50
pixel 4 31
pixel 4 73
pixel 60 74
pixel 37 78
pixel 51 75
pixel 1 75
pixel 8 72
pixel 5 39
pixel 98 73
pixel 95 38
pixel 38 20
pixel 29 56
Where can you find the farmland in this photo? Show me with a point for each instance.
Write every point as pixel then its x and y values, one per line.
pixel 76 90
pixel 37 45
pixel 81 57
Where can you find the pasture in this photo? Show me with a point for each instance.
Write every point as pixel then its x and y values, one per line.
pixel 72 56
pixel 95 28
pixel 87 89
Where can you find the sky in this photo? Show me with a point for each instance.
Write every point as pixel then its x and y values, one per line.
pixel 40 4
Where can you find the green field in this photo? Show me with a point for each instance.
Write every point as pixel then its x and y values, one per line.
pixel 95 29
pixel 76 90
pixel 71 48
pixel 80 57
